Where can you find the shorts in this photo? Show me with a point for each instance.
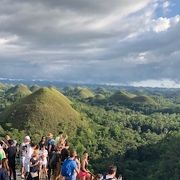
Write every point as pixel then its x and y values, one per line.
pixel 27 165
pixel 82 174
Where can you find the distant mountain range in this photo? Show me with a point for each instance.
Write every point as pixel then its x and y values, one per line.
pixel 62 84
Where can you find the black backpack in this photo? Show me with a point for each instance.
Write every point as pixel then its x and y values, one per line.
pixel 54 159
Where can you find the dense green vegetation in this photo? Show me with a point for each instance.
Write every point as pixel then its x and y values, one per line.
pixel 136 129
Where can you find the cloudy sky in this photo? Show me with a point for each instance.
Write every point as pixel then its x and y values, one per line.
pixel 133 42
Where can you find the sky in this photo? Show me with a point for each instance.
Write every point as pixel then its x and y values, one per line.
pixel 126 42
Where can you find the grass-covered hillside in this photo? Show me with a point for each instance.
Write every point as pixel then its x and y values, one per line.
pixel 17 92
pixel 44 110
pixel 79 92
pixel 123 97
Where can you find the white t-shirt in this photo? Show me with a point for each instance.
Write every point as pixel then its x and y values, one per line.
pixel 43 154
pixel 29 152
pixel 23 149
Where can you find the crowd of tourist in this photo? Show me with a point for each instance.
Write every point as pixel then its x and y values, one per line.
pixel 50 159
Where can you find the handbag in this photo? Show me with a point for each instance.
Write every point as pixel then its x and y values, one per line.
pixel 34 174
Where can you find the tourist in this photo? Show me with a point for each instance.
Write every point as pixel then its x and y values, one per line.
pixel 5 166
pixel 43 155
pixel 71 166
pixel 2 153
pixel 34 167
pixel 111 175
pixel 61 138
pixel 3 172
pixel 56 162
pixel 11 154
pixel 42 142
pixel 23 151
pixel 98 177
pixel 84 173
pixel 51 150
pixel 57 139
pixel 6 140
pixel 65 152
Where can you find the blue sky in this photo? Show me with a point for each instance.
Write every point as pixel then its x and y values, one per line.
pixel 116 42
pixel 173 8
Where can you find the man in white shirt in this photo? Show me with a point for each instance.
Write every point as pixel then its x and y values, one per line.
pixel 24 151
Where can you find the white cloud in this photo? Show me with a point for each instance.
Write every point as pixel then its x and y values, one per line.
pixel 162 83
pixel 8 40
pixel 161 24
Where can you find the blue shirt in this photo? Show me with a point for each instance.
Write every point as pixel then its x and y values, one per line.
pixel 51 142
pixel 73 166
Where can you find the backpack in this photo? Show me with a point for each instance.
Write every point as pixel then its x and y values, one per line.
pixel 104 178
pixel 66 168
pixel 53 160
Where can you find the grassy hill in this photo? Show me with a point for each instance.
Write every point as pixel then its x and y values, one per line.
pixel 44 110
pixel 101 90
pixel 83 93
pixel 128 98
pixel 18 91
pixel 121 96
pixel 78 92
pixel 4 87
pixel 86 93
pixel 143 99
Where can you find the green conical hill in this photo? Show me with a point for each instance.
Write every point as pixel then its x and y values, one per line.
pixel 84 92
pixel 18 90
pixel 143 99
pixel 46 110
pixel 126 97
pixel 121 96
